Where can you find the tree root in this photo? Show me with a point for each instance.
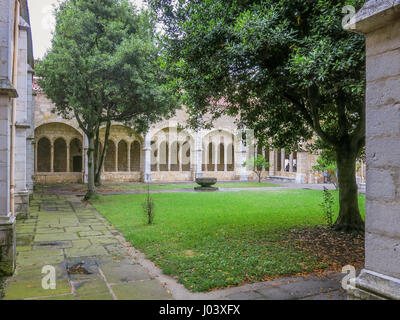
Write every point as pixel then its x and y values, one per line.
pixel 350 227
pixel 89 195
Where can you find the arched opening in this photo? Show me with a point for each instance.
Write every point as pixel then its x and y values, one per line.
pixel 204 156
pixel 135 156
pixel 259 153
pixel 278 160
pixel 231 157
pixel 221 157
pixel 164 156
pixel 287 161
pixel 266 155
pixel 75 151
pixel 60 155
pixel 44 155
pixel 109 161
pixel 186 156
pixel 122 156
pixel 175 161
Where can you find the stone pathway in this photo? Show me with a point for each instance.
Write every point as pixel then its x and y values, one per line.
pixel 93 261
pixel 89 260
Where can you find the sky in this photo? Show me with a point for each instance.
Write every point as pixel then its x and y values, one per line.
pixel 42 23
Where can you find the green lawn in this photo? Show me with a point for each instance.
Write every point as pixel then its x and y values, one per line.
pixel 212 240
pixel 156 186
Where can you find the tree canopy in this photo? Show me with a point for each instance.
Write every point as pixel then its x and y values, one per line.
pixel 285 68
pixel 104 65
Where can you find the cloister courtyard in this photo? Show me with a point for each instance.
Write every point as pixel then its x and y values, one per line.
pixel 199 150
pixel 264 240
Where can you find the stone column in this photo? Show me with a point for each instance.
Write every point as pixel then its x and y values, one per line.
pixel 272 163
pixel 215 156
pixel 68 157
pixel 129 156
pixel 21 198
pixel 147 158
pixel 302 167
pixel 199 156
pixel 7 93
pixel 180 155
pixel 30 172
pixel 168 158
pixel 379 21
pixel 7 221
pixel 51 156
pixel 116 158
pixel 243 157
pixel 283 167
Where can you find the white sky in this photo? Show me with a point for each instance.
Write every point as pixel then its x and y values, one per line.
pixel 42 23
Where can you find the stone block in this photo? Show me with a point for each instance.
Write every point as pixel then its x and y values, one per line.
pixel 383 66
pixel 383 186
pixel 7 248
pixel 382 254
pixel 384 121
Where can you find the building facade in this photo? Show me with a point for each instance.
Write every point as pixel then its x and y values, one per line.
pixel 166 153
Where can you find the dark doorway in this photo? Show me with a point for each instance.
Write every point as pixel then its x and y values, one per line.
pixel 77 164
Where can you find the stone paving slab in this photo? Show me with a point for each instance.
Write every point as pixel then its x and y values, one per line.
pixel 71 236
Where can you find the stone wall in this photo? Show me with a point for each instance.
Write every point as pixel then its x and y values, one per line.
pixel 380 22
pixel 15 94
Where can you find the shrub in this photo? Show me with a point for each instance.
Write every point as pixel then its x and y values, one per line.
pixel 148 207
pixel 327 206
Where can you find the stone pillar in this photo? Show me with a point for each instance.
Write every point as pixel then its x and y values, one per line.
pixel 243 157
pixel 168 158
pixel 51 156
pixel 379 21
pixel 7 221
pixel 30 170
pixel 283 167
pixel 180 155
pixel 272 163
pixel 7 93
pixel 147 158
pixel 302 167
pixel 68 157
pixel 215 156
pixel 116 158
pixel 21 199
pixel 129 156
pixel 199 156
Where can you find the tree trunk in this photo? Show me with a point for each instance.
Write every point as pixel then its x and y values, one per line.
pixel 90 154
pixel 100 161
pixel 349 219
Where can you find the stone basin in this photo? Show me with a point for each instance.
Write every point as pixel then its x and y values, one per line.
pixel 206 182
